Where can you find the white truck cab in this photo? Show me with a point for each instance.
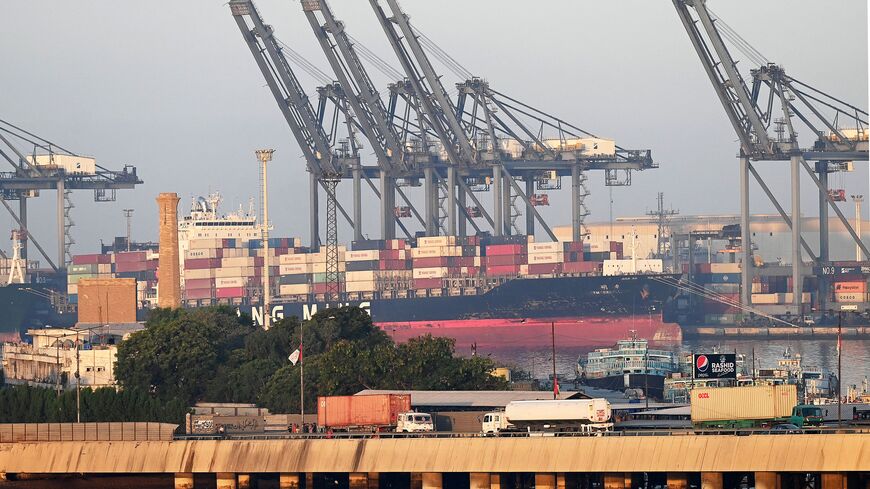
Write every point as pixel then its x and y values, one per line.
pixel 494 422
pixel 414 423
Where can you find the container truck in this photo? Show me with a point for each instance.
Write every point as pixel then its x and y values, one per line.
pixel 753 406
pixel 559 415
pixel 372 413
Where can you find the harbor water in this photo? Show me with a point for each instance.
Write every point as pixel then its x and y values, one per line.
pixel 814 353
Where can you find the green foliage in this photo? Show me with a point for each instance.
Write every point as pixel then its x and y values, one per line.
pixel 212 354
pixel 23 404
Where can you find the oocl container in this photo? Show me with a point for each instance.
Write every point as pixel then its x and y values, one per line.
pixel 742 403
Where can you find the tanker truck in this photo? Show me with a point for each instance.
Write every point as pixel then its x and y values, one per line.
pixel 571 415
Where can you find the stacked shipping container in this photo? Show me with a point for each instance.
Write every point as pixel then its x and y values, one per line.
pixel 139 265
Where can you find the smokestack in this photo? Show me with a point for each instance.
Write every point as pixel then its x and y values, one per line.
pixel 169 273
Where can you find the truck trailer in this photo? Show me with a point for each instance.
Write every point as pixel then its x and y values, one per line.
pixel 371 413
pixel 755 406
pixel 584 415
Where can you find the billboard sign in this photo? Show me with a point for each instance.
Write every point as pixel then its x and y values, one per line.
pixel 714 366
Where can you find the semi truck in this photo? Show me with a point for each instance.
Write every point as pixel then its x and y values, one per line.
pixel 371 413
pixel 583 415
pixel 756 406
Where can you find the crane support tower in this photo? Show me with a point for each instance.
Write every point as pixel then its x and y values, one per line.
pixel 774 100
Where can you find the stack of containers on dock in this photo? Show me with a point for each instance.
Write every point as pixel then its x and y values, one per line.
pixel 230 270
pixel 139 265
pixel 378 266
pixel 772 290
pixel 720 281
pixel 445 264
pixel 850 289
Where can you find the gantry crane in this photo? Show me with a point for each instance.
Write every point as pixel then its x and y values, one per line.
pixel 52 167
pixel 752 111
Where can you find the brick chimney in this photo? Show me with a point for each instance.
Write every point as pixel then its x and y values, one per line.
pixel 168 273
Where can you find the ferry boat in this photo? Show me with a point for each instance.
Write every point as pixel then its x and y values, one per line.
pixel 630 364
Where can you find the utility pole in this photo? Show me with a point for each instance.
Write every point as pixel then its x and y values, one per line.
pixel 128 213
pixel 265 156
pixel 858 200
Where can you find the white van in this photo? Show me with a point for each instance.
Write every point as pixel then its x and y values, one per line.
pixel 414 423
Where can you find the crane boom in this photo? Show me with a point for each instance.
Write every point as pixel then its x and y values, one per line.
pixel 430 92
pixel 358 87
pixel 288 92
pixel 729 85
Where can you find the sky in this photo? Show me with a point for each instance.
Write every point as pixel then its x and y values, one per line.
pixel 171 88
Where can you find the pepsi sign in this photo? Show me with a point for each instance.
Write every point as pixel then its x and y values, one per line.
pixel 714 366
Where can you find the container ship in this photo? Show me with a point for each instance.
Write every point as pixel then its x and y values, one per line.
pixel 484 291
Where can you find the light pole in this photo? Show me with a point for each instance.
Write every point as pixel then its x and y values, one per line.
pixel 128 213
pixel 265 156
pixel 858 199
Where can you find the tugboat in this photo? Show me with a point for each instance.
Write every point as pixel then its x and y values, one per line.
pixel 630 364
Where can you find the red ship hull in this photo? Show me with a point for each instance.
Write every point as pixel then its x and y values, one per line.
pixel 494 334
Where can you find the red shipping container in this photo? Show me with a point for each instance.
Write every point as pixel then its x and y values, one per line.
pixel 581 267
pixel 703 268
pixel 322 288
pixel 152 264
pixel 196 294
pixel 391 254
pixel 501 260
pixel 427 283
pixel 397 244
pixel 573 256
pixel 92 259
pixel 132 266
pixel 348 412
pixel 502 270
pixel 465 261
pixel 507 249
pixel 616 246
pixel 230 292
pixel 131 256
pixel 201 263
pixel 393 265
pixel 545 268
pixel 199 283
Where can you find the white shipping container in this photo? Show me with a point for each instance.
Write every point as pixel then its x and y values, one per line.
pixel 428 241
pixel 431 272
pixel 767 298
pixel 362 255
pixel 203 253
pixel 230 282
pixel 225 272
pixel 293 259
pixel 849 297
pixel 742 403
pixel 242 261
pixel 234 252
pixel 199 273
pixel 360 286
pixel 294 289
pixel 549 247
pixel 546 257
pixel 627 267
pixel 788 297
pixel 294 268
pixel 73 165
pixel 362 276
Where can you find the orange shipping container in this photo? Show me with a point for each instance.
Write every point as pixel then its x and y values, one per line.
pixel 348 412
pixel 850 287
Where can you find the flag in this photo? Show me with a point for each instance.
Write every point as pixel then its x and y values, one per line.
pixel 295 356
pixel 555 387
